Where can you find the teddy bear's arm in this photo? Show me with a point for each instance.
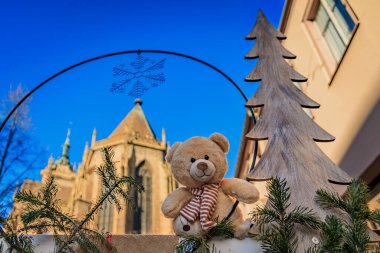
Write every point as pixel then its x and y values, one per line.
pixel 175 202
pixel 240 189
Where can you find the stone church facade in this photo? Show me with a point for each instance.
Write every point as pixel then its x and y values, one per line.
pixel 132 141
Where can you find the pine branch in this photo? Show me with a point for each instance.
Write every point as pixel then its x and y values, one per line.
pixel 264 215
pixel 356 198
pixel 330 200
pixel 375 217
pixel 43 209
pixel 356 237
pixel 332 236
pixel 303 216
pixel 278 195
pixel 15 241
pixel 276 223
pixel 223 229
pixel 347 235
pixel 111 182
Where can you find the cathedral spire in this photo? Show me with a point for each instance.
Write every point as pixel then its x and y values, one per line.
pixel 93 139
pixel 163 137
pixel 85 152
pixel 64 159
pixel 51 160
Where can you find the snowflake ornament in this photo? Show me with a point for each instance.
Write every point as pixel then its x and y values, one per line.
pixel 146 74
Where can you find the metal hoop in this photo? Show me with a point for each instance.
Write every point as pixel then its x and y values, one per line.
pixel 139 51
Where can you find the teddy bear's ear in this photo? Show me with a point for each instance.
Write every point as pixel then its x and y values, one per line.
pixel 171 151
pixel 221 140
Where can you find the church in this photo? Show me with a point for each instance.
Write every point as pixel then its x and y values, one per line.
pixel 132 142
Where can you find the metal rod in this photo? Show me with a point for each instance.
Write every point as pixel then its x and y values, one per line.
pixel 139 51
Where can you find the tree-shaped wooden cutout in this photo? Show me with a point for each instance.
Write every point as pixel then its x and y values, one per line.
pixel 291 152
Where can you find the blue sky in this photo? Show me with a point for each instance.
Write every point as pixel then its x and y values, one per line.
pixel 40 38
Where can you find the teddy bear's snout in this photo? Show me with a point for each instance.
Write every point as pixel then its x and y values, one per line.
pixel 202 166
pixel 202 170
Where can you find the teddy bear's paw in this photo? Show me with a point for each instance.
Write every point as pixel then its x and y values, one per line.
pixel 241 231
pixel 249 194
pixel 184 228
pixel 170 210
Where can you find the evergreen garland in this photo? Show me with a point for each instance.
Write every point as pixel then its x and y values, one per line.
pixel 277 223
pixel 43 213
pixel 194 244
pixel 15 242
pixel 352 234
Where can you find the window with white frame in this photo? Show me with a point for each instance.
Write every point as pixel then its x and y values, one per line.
pixel 336 26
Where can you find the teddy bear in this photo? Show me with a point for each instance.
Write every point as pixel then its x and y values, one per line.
pixel 199 165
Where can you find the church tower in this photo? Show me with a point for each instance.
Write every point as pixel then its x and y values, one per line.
pixel 64 176
pixel 63 173
pixel 132 141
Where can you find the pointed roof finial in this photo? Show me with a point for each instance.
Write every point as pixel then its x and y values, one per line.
pixel 64 159
pixel 85 151
pixel 163 136
pixel 67 141
pixel 93 139
pixel 86 147
pixel 138 101
pixel 51 159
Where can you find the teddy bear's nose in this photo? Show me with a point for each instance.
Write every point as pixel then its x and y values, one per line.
pixel 202 166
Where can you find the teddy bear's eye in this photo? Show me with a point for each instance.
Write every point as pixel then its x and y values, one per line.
pixel 206 157
pixel 193 159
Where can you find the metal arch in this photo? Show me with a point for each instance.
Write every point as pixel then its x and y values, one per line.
pixel 115 54
pixel 143 51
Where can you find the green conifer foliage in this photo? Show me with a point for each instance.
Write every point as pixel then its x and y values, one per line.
pixel 193 244
pixel 43 212
pixel 280 235
pixel 349 232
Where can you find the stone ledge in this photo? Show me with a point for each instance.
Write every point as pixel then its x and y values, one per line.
pixel 145 243
pixel 124 243
pixel 132 243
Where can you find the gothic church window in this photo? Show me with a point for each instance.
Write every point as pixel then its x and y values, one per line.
pixel 143 212
pixel 106 218
pixel 146 221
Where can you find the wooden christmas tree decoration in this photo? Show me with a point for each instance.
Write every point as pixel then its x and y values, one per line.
pixel 291 152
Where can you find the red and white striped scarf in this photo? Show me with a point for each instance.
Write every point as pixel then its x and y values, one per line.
pixel 202 204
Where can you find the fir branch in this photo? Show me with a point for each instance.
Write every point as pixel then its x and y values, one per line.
pixel 329 200
pixel 193 244
pixel 16 242
pixel 375 217
pixel 43 213
pixel 303 216
pixel 332 236
pixel 350 235
pixel 222 229
pixel 111 182
pixel 263 215
pixel 279 195
pixel 357 237
pixel 277 223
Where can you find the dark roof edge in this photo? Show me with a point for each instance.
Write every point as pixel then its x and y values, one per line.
pixel 285 15
pixel 243 143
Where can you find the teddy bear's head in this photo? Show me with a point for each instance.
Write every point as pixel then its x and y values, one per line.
pixel 199 160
